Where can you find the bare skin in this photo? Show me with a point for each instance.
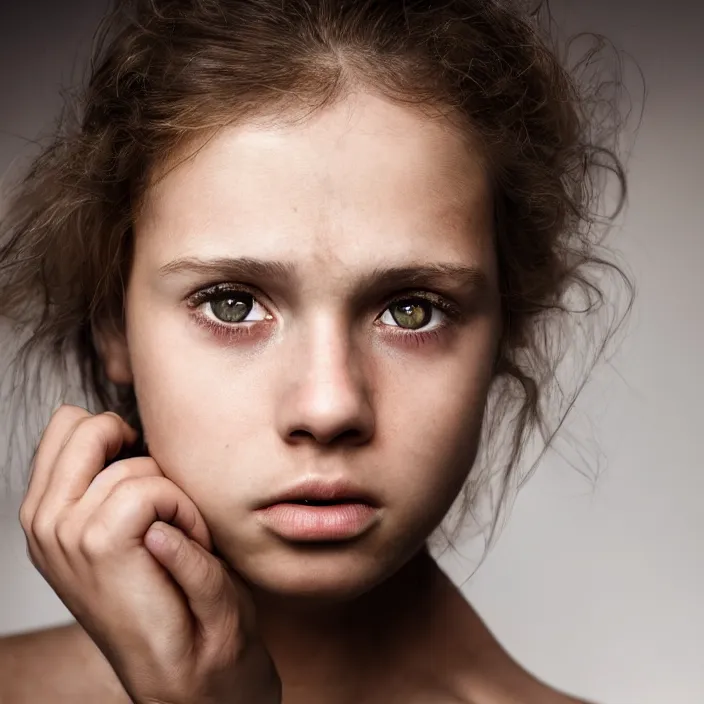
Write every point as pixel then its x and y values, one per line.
pixel 321 380
pixel 457 661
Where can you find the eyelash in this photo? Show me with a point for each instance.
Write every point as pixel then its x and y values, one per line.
pixel 229 331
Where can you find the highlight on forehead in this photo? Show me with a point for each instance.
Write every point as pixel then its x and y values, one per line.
pixel 285 115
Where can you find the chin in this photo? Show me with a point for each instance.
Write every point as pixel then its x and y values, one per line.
pixel 333 572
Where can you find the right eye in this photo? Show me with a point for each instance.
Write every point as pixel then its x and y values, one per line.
pixel 228 305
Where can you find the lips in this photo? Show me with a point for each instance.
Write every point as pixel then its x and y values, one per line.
pixel 312 502
pixel 315 491
pixel 301 524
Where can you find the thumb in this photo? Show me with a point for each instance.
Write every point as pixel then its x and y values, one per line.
pixel 204 580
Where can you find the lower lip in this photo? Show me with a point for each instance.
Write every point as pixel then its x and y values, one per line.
pixel 334 522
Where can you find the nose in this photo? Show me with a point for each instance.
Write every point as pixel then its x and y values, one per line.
pixel 324 396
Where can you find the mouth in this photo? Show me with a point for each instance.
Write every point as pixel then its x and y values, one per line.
pixel 314 492
pixel 315 502
pixel 319 520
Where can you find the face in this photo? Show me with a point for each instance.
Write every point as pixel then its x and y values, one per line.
pixel 325 367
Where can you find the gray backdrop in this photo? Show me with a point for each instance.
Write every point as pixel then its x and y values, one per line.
pixel 597 591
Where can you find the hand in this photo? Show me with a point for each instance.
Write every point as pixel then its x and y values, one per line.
pixel 130 555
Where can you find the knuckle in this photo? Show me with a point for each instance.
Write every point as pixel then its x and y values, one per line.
pixel 68 419
pixel 132 468
pixel 64 532
pixel 42 528
pixel 98 430
pixel 91 429
pixel 111 414
pixel 129 495
pixel 128 490
pixel 80 435
pixel 113 473
pixel 111 421
pixel 96 541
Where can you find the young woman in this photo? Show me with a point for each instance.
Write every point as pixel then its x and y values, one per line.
pixel 308 257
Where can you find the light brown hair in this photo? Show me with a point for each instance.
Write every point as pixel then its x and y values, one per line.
pixel 164 71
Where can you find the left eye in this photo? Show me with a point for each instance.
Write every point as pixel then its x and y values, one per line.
pixel 413 313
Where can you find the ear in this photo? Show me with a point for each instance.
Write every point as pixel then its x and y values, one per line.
pixel 111 345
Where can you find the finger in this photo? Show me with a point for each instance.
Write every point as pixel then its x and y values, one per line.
pixel 122 520
pixel 60 426
pixel 91 445
pixel 112 475
pixel 203 579
pixel 39 513
pixel 101 487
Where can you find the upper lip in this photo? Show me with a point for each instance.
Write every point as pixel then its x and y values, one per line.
pixel 317 489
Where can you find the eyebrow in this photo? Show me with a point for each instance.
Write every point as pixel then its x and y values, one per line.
pixel 284 273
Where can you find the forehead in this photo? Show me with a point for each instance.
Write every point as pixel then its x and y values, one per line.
pixel 364 171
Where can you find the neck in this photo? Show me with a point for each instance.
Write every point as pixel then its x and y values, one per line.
pixel 323 649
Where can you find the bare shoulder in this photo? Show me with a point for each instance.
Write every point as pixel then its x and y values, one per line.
pixel 522 687
pixel 505 681
pixel 482 670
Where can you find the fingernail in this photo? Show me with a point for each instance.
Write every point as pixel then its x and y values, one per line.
pixel 156 537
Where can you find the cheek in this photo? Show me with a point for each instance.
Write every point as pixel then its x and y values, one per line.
pixel 437 426
pixel 195 407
